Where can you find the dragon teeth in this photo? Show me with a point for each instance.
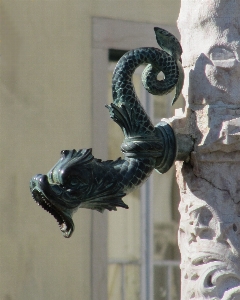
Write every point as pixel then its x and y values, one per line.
pixel 63 227
pixel 48 207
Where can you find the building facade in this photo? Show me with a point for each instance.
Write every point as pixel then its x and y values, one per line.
pixel 56 63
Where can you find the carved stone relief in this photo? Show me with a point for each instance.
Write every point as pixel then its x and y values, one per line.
pixel 209 232
pixel 209 238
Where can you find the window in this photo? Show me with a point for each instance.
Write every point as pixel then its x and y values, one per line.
pixel 143 256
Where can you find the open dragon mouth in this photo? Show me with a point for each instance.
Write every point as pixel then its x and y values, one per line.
pixel 65 222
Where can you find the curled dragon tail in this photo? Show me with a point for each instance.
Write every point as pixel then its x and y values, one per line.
pixel 141 137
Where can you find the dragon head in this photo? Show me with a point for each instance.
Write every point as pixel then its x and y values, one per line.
pixel 77 180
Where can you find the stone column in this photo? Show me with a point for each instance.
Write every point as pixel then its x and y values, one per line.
pixel 209 182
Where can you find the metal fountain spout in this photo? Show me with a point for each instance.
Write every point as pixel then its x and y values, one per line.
pixel 78 180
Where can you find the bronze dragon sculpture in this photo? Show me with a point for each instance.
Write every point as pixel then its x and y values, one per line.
pixel 79 180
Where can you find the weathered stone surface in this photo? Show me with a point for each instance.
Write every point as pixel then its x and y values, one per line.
pixel 209 232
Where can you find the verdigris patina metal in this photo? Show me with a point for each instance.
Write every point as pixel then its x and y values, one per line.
pixel 79 180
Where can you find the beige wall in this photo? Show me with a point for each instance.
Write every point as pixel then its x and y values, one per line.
pixel 45 106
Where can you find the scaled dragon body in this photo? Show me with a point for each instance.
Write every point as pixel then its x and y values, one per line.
pixel 80 180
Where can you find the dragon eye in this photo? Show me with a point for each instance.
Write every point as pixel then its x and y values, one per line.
pixel 74 181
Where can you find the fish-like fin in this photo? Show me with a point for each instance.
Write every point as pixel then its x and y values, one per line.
pixel 180 82
pixel 129 120
pixel 121 116
pixel 107 203
pixel 168 42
